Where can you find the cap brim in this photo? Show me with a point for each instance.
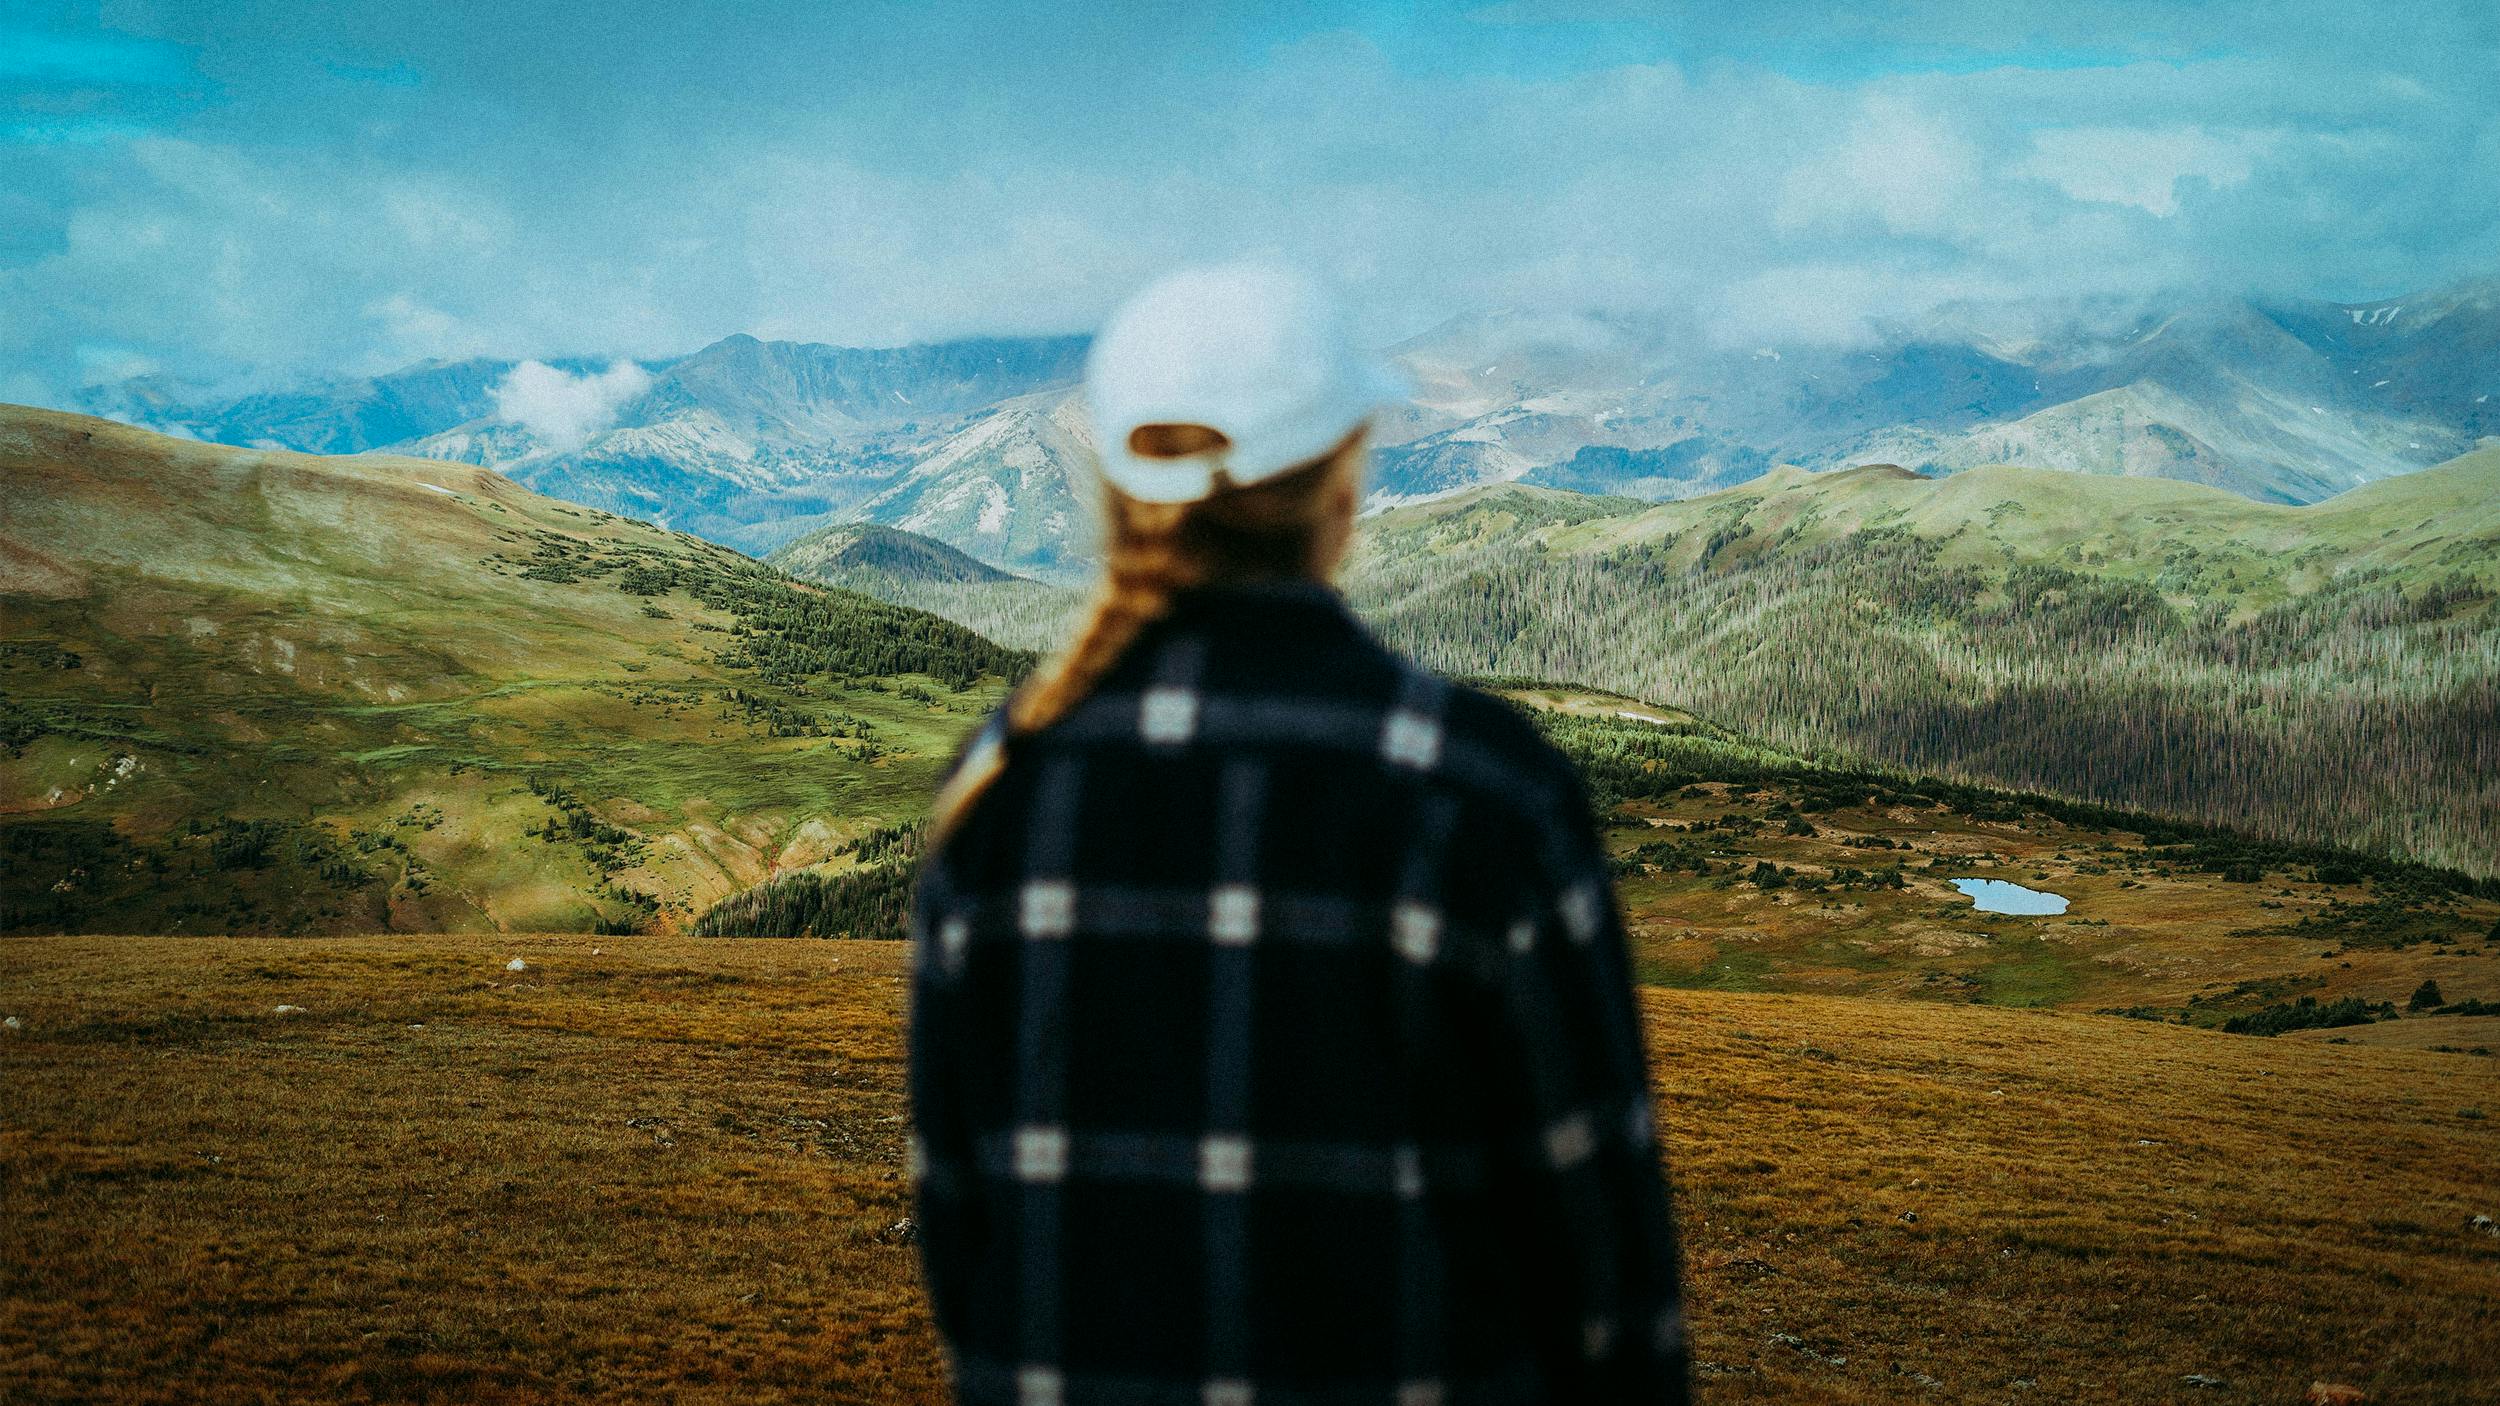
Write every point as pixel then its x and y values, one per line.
pixel 1156 480
pixel 1375 387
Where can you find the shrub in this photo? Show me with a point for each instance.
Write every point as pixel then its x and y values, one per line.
pixel 2307 1014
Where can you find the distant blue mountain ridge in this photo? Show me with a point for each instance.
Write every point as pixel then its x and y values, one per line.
pixel 979 443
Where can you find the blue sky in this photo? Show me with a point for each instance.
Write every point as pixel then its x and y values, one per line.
pixel 248 192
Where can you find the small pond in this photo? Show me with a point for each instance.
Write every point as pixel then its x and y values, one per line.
pixel 1998 896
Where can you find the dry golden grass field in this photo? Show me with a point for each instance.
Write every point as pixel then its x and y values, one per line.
pixel 656 1169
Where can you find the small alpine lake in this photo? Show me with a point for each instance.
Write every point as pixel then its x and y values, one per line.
pixel 1999 896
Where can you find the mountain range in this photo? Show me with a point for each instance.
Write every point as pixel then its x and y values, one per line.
pixel 981 443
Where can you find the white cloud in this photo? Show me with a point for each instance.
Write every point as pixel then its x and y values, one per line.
pixel 2140 166
pixel 404 320
pixel 561 410
pixel 1905 168
pixel 1760 204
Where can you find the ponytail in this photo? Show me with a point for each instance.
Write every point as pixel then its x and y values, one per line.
pixel 1289 525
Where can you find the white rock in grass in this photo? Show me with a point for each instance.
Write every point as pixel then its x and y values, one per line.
pixel 288 1010
pixel 516 965
pixel 12 1023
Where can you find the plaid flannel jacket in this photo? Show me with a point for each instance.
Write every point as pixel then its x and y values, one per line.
pixel 1272 1042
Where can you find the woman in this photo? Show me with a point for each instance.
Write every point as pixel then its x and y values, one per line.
pixel 1272 1040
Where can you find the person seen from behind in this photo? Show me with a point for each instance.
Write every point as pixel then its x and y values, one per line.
pixel 1272 1038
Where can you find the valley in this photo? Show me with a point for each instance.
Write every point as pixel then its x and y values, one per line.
pixel 233 709
pixel 1742 867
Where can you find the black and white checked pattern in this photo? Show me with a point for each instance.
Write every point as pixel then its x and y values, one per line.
pixel 1273 1043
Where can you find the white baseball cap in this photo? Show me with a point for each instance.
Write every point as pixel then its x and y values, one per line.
pixel 1258 353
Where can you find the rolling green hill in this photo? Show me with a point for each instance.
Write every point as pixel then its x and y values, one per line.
pixel 923 573
pixel 868 549
pixel 2325 673
pixel 262 691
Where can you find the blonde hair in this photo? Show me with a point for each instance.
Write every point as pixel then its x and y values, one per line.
pixel 1286 526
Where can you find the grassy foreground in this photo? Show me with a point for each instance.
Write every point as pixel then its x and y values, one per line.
pixel 664 1169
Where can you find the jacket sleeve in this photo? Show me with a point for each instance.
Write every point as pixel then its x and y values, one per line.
pixel 945 1211
pixel 1599 1242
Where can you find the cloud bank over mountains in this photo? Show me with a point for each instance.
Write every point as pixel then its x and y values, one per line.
pixel 247 193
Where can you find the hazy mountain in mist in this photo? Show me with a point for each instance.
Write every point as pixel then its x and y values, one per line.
pixel 349 415
pixel 752 443
pixel 2287 402
pixel 981 443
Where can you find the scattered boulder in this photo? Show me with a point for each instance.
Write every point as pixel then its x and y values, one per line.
pixel 288 1010
pixel 1799 1346
pixel 2201 1380
pixel 12 1023
pixel 2484 1224
pixel 2333 1394
pixel 516 965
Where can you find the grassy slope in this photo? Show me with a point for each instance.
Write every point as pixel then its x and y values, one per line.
pixel 2193 542
pixel 335 644
pixel 2329 672
pixel 668 1169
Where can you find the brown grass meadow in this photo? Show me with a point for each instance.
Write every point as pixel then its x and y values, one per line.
pixel 669 1171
